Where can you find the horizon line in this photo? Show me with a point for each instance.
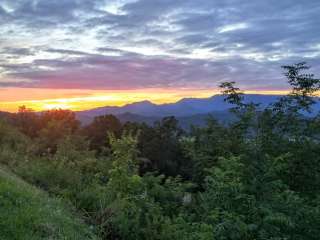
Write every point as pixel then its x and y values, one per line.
pixel 84 103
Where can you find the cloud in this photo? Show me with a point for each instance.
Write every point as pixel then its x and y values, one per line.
pixel 123 72
pixel 120 44
pixel 17 51
pixel 233 27
pixel 67 52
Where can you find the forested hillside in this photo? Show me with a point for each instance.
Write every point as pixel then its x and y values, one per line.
pixel 256 178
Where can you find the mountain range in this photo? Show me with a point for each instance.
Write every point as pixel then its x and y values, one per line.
pixel 188 110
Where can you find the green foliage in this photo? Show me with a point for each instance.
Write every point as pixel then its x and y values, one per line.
pixel 13 144
pixel 67 118
pixel 27 213
pixel 143 207
pixel 205 145
pixel 233 94
pixel 160 147
pixel 304 86
pixel 27 121
pixel 249 201
pixel 97 130
pixel 257 178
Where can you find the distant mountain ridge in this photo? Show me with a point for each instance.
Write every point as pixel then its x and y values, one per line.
pixel 188 111
pixel 182 108
pixel 186 108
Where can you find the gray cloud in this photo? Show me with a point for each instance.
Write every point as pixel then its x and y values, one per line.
pixel 17 51
pixel 156 43
pixel 123 72
pixel 67 52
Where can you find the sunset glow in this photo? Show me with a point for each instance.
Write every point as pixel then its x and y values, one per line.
pixel 77 100
pixel 82 100
pixel 87 54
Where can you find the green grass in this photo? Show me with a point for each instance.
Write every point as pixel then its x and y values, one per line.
pixel 28 213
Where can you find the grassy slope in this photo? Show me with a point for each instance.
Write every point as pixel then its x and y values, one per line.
pixel 28 213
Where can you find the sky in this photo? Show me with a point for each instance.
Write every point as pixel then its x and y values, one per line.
pixel 81 54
